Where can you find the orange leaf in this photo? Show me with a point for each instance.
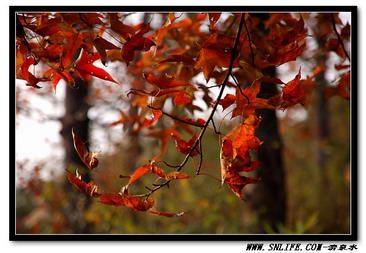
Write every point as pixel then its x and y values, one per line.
pixel 165 82
pixel 130 201
pixel 227 101
pixel 176 175
pixel 90 188
pixel 297 91
pixel 182 98
pixel 89 158
pixel 113 199
pixel 186 146
pixel 156 115
pixel 139 173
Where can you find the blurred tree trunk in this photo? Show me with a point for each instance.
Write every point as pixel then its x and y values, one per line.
pixel 269 196
pixel 76 109
pixel 326 215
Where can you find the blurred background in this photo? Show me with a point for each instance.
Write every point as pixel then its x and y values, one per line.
pixel 313 188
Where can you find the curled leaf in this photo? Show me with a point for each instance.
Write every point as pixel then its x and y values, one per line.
pixel 89 158
pixel 90 188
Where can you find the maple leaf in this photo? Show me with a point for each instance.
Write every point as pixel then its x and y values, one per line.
pixel 125 31
pixel 227 101
pixel 216 51
pixel 247 101
pixel 136 43
pixel 213 18
pixel 186 146
pixel 161 33
pixel 156 115
pixel 71 51
pixel 166 82
pixel 297 91
pixel 130 201
pixel 209 59
pixel 235 157
pixel 135 203
pixel 341 89
pixel 182 98
pixel 237 182
pixel 188 60
pixel 88 158
pixel 153 169
pixel 85 67
pixel 90 188
pixel 28 76
pixel 102 45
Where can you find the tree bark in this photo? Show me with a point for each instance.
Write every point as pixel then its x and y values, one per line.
pixel 76 109
pixel 269 196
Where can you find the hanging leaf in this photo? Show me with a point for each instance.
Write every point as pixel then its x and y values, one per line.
pixel 85 66
pixel 90 188
pixel 156 115
pixel 88 158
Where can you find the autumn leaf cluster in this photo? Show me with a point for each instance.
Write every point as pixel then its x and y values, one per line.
pixel 229 50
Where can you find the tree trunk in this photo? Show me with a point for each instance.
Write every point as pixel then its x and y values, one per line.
pixel 269 197
pixel 76 109
pixel 326 216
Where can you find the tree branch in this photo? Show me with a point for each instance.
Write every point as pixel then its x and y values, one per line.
pixel 223 85
pixel 339 37
pixel 176 118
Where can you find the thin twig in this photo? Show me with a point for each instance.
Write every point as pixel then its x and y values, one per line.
pixel 176 118
pixel 214 127
pixel 232 58
pixel 201 159
pixel 250 43
pixel 240 89
pixel 205 174
pixel 339 37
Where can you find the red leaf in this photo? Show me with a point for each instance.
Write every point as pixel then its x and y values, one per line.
pixel 227 101
pixel 84 65
pixel 185 146
pixel 156 115
pixel 237 182
pixel 297 91
pixel 213 17
pixel 165 82
pixel 89 158
pixel 130 201
pixel 182 98
pixel 136 43
pixel 113 199
pixel 341 89
pixel 176 175
pixel 102 45
pixel 125 31
pixel 90 188
pixel 139 173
